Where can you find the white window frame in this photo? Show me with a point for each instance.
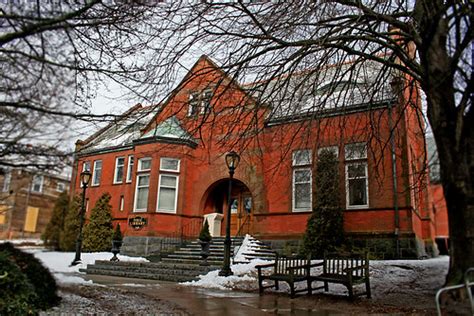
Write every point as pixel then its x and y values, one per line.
pixel 40 183
pixel 301 166
pixel 193 104
pixel 205 104
pixel 135 210
pixel 117 166
pixel 175 195
pixel 130 164
pixel 94 173
pixel 357 160
pixel 295 163
pixel 140 162
pixel 295 209
pixel 169 170
pixel 84 164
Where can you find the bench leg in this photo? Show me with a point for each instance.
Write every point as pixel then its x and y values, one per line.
pixel 260 285
pixel 367 288
pixel 351 292
pixel 292 289
pixel 277 287
pixel 310 289
pixel 326 287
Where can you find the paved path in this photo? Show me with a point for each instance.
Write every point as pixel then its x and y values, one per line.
pixel 200 301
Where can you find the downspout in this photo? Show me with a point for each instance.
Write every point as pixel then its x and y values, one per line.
pixel 395 183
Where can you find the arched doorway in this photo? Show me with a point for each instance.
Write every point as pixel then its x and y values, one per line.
pixel 215 201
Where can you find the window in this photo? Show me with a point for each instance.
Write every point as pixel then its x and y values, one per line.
pixel 234 205
pixel 167 193
pixel 37 183
pixel 121 203
pixel 31 219
pixel 86 166
pixel 141 193
pixel 144 164
pixel 60 187
pixel 129 169
pixel 357 195
pixel 193 104
pixel 302 180
pixel 119 168
pixel 169 164
pixel 199 102
pixel 6 181
pixel 302 158
pixel 97 172
pixel 206 101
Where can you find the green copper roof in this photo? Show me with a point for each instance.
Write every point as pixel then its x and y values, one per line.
pixel 170 128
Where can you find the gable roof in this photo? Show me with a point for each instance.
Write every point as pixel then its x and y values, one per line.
pixel 120 133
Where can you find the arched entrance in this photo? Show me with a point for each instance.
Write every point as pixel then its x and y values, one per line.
pixel 241 205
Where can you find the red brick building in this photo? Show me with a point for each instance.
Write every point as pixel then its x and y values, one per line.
pixel 164 166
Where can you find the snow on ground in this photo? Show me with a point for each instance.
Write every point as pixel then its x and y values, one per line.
pixel 37 242
pixel 59 263
pixel 413 278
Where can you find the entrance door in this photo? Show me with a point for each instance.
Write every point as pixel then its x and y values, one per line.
pixel 241 214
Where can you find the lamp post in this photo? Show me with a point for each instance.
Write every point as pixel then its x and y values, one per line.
pixel 232 160
pixel 85 178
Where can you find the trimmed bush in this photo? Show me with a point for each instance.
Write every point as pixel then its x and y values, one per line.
pixel 51 235
pixel 40 278
pixel 117 233
pixel 205 235
pixel 99 230
pixel 324 230
pixel 68 235
pixel 17 294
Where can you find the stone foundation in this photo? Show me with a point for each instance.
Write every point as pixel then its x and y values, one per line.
pixel 380 246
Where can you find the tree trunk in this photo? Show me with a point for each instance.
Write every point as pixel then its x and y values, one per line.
pixel 452 128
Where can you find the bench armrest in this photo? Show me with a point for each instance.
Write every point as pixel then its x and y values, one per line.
pixel 262 266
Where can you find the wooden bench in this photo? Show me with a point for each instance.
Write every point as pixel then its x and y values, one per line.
pixel 286 269
pixel 345 269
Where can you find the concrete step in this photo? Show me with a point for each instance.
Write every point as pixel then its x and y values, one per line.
pixel 191 261
pixel 193 257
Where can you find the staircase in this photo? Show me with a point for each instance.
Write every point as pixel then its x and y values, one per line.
pixel 253 249
pixel 180 265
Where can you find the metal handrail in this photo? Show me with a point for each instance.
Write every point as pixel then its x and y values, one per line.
pixel 186 232
pixel 467 284
pixel 239 231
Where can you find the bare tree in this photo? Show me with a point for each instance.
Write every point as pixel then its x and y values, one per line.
pixel 52 55
pixel 423 43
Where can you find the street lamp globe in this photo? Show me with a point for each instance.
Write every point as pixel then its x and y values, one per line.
pixel 232 160
pixel 85 177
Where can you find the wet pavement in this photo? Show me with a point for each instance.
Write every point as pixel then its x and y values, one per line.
pixel 199 301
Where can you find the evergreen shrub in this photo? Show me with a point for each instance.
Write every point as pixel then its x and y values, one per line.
pixel 17 294
pixel 324 230
pixel 51 235
pixel 117 233
pixel 99 230
pixel 68 234
pixel 40 278
pixel 205 235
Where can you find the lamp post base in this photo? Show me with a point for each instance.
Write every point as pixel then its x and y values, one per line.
pixel 226 272
pixel 75 262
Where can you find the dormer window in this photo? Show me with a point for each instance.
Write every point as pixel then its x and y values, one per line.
pixel 199 102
